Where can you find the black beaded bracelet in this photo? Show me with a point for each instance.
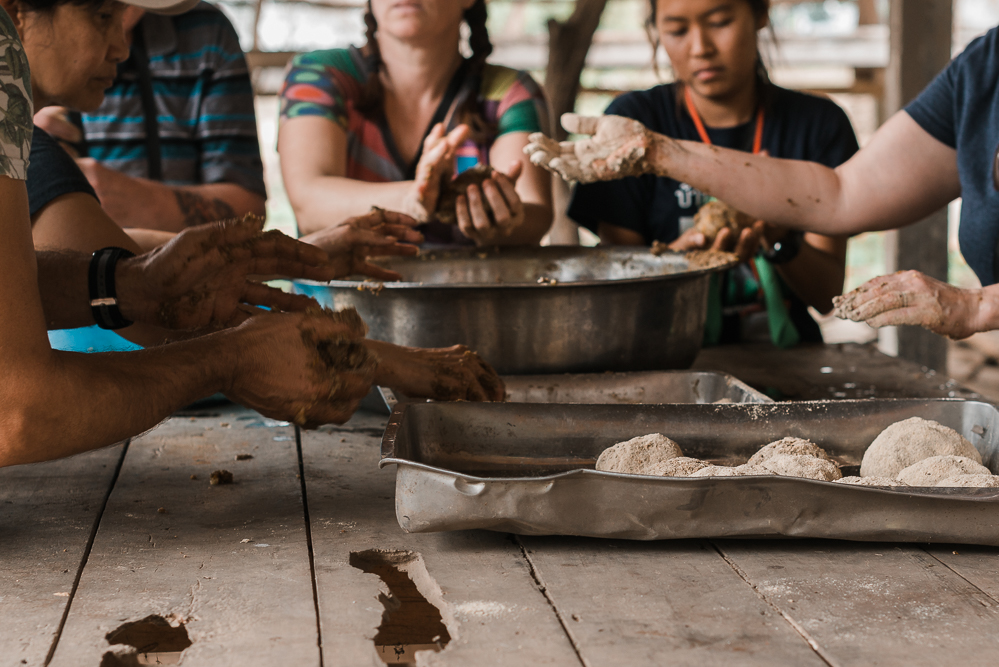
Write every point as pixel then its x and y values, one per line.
pixel 786 249
pixel 103 297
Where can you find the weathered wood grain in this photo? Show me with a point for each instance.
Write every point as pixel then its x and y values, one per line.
pixel 48 512
pixel 232 560
pixel 978 565
pixel 481 581
pixel 873 604
pixel 661 603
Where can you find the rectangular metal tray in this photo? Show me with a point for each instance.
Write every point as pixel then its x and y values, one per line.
pixel 528 469
pixel 622 388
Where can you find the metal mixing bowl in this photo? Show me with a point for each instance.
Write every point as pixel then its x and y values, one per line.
pixel 539 310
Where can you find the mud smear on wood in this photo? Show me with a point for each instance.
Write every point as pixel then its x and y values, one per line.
pixel 154 640
pixel 411 622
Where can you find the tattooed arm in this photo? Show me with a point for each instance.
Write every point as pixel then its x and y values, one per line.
pixel 140 202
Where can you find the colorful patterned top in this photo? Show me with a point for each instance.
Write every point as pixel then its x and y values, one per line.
pixel 16 109
pixel 204 103
pixel 329 84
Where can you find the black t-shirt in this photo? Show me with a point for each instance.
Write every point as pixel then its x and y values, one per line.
pixel 52 173
pixel 797 127
pixel 961 109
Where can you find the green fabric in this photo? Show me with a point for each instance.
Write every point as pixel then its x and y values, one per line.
pixel 713 323
pixel 783 333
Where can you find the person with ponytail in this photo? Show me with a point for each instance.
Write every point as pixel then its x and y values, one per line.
pixel 723 96
pixel 384 124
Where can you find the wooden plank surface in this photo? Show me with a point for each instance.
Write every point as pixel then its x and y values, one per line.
pixel 230 560
pixel 661 603
pixel 48 513
pixel 480 580
pixel 978 565
pixel 828 372
pixel 873 604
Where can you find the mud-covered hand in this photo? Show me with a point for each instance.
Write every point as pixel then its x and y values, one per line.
pixel 443 374
pixel 310 368
pixel 375 234
pixel 199 279
pixel 505 211
pixel 911 297
pixel 436 162
pixel 616 148
pixel 744 244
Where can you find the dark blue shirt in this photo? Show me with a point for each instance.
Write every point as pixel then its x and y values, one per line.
pixel 961 109
pixel 52 173
pixel 797 127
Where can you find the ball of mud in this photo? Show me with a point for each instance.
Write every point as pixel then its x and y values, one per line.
pixel 910 441
pixel 447 201
pixel 715 216
pixel 730 471
pixel 870 481
pixel 681 466
pixel 644 455
pixel 983 481
pixel 790 446
pixel 810 467
pixel 929 472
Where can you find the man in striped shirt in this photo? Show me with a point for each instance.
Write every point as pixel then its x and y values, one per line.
pixel 196 158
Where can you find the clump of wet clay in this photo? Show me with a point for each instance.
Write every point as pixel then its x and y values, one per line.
pixel 645 455
pixel 929 472
pixel 730 471
pixel 715 216
pixel 981 481
pixel 220 477
pixel 681 466
pixel 447 202
pixel 870 481
pixel 910 441
pixel 810 467
pixel 791 446
pixel 700 260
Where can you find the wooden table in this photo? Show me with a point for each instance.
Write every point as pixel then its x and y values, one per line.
pixel 293 563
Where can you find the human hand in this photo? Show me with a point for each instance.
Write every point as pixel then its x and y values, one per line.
pixel 310 368
pixel 377 233
pixel 436 162
pixel 911 297
pixel 618 147
pixel 55 121
pixel 744 244
pixel 200 277
pixel 444 374
pixel 505 209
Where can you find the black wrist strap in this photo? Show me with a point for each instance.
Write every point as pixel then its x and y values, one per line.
pixel 103 297
pixel 786 249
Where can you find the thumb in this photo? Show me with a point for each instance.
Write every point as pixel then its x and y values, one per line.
pixel 577 124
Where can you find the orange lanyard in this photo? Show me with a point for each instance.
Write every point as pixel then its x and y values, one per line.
pixel 699 124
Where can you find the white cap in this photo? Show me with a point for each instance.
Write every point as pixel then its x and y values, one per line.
pixel 168 7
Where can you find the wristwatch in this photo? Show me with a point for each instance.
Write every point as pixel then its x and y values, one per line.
pixel 786 249
pixel 103 296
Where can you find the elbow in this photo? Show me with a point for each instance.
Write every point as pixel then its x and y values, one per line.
pixel 19 439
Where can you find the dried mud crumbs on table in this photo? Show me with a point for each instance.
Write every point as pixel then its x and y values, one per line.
pixel 244 457
pixel 220 477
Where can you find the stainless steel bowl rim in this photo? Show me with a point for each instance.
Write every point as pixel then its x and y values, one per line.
pixel 377 285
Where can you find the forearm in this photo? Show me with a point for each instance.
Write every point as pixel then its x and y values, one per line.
pixel 815 275
pixel 325 201
pixel 71 403
pixel 148 204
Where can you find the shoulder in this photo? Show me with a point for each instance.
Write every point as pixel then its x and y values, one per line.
pixel 16 111
pixel 500 82
pixel 805 110
pixel 812 127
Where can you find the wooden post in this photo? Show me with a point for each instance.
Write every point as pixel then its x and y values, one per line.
pixel 568 44
pixel 921 38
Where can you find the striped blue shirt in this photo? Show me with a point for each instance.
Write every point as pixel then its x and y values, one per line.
pixel 204 106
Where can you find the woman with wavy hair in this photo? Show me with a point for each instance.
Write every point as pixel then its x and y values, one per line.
pixel 384 124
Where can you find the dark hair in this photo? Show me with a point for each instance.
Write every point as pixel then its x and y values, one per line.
pixel 373 95
pixel 760 9
pixel 46 6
